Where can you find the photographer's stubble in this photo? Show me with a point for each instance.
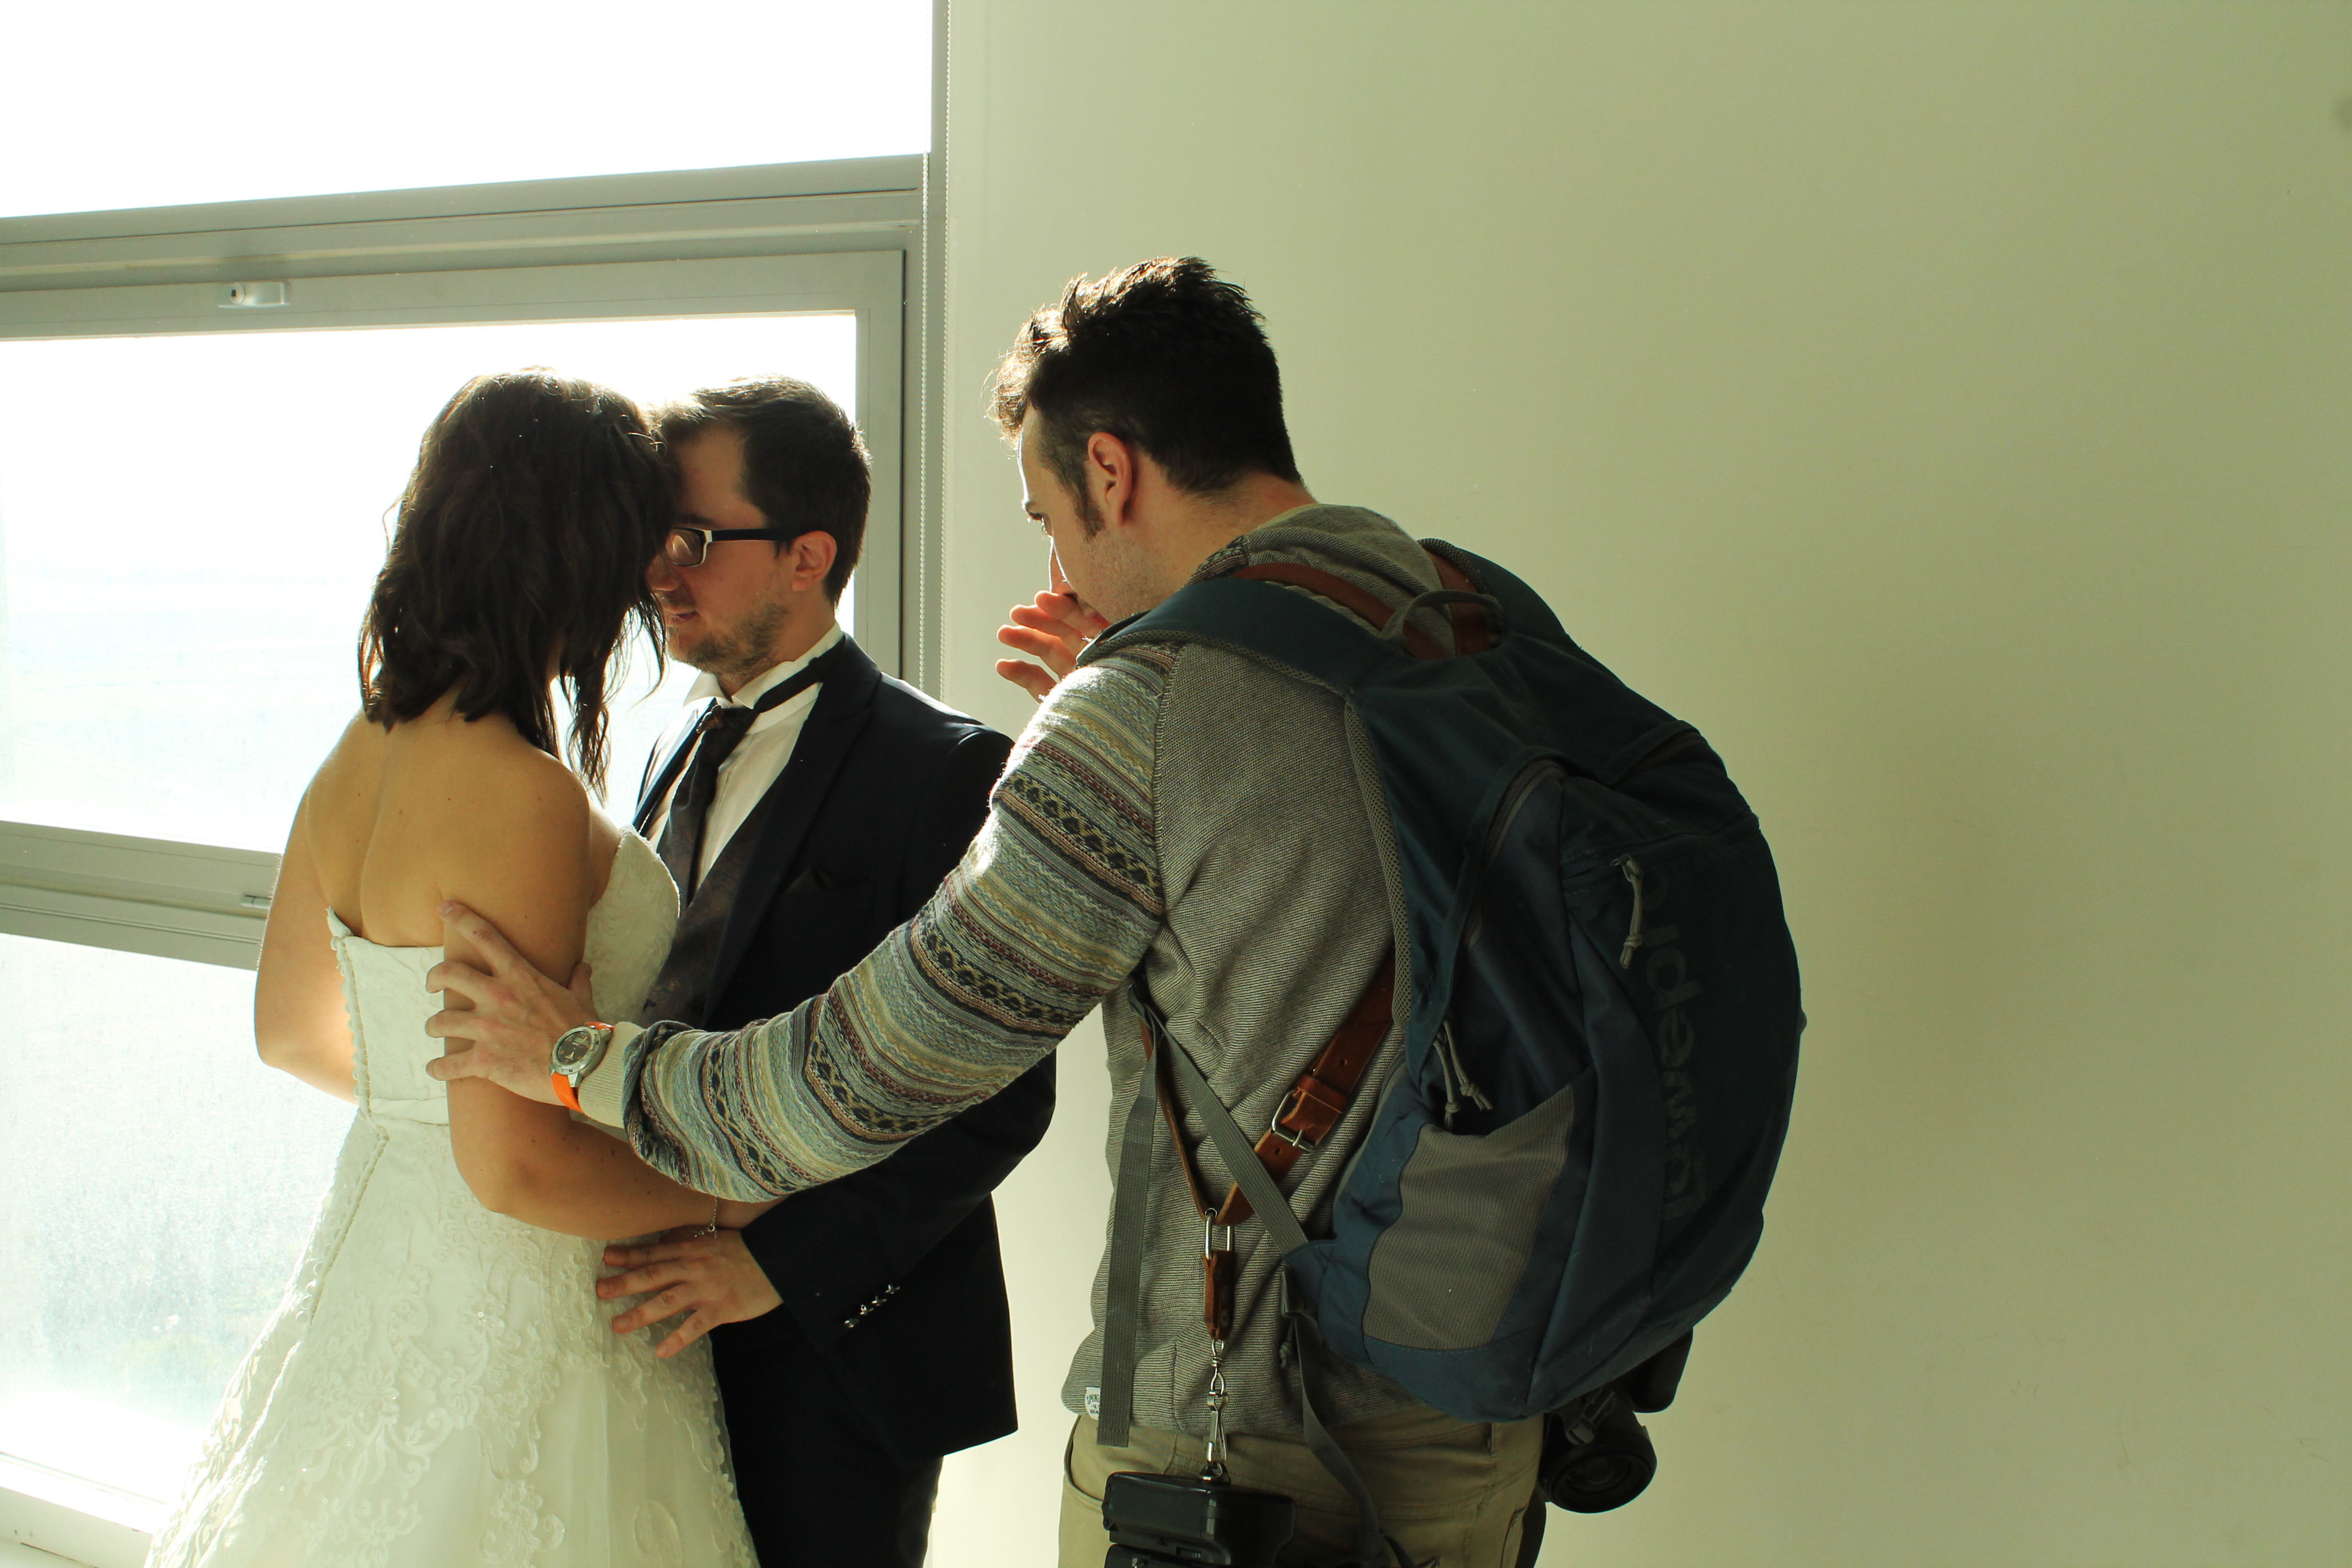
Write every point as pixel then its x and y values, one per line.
pixel 752 603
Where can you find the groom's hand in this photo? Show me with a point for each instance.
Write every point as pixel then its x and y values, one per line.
pixel 715 1278
pixel 515 1016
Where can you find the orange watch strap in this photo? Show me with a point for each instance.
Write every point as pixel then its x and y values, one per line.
pixel 564 1094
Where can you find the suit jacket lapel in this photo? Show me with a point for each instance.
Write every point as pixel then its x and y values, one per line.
pixel 656 781
pixel 844 703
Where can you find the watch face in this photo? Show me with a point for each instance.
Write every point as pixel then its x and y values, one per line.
pixel 572 1047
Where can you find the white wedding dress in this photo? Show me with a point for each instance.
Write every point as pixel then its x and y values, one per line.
pixel 440 1386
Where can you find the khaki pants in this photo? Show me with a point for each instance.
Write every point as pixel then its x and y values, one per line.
pixel 1452 1494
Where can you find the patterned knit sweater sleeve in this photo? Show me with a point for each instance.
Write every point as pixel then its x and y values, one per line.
pixel 1048 913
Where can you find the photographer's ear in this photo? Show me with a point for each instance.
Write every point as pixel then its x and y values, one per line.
pixel 1109 476
pixel 813 556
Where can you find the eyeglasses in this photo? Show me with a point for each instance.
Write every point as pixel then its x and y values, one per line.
pixel 688 546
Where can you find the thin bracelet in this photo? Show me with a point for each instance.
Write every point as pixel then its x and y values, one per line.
pixel 708 1227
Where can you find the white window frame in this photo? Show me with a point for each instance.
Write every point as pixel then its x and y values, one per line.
pixel 806 237
pixel 856 235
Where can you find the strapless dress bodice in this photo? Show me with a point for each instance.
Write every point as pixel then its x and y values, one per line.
pixel 440 1384
pixel 628 935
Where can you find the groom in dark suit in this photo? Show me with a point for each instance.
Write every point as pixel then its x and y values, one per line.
pixel 807 806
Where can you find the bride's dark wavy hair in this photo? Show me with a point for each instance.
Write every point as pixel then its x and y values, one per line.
pixel 522 538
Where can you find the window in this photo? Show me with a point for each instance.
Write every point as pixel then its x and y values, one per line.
pixel 151 1252
pixel 195 482
pixel 200 104
pixel 179 590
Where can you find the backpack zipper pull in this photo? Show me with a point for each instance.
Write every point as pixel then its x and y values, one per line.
pixel 1446 1071
pixel 1449 1063
pixel 1478 1095
pixel 1633 869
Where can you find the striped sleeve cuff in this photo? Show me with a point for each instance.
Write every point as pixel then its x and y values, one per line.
pixel 605 1092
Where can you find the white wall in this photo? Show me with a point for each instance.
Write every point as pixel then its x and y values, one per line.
pixel 1946 406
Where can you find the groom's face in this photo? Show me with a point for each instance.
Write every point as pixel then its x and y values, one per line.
pixel 729 614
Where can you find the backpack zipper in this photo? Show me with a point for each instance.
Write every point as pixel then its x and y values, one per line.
pixel 1633 869
pixel 1505 815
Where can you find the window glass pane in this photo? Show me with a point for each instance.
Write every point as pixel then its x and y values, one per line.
pixel 155 105
pixel 161 1184
pixel 190 526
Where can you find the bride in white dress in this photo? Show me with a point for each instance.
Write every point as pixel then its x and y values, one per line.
pixel 440 1384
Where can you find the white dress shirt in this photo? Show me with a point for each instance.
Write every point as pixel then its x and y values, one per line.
pixel 757 762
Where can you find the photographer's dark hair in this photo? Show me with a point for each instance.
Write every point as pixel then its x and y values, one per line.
pixel 805 464
pixel 523 537
pixel 1166 356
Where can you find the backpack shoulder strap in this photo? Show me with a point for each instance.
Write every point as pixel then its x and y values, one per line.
pixel 1340 591
pixel 1471 631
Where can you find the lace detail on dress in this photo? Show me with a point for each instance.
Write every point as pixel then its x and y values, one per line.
pixel 438 1386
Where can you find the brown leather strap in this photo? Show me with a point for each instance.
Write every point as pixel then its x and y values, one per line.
pixel 1471 632
pixel 1310 1110
pixel 1217 1293
pixel 1158 1066
pixel 1216 1263
pixel 1325 1091
pixel 1340 591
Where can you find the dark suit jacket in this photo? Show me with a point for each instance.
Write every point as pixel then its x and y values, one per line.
pixel 884 790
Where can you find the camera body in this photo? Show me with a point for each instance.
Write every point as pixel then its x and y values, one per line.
pixel 1197 1523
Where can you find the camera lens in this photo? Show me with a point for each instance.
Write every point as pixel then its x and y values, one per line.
pixel 1598 1474
pixel 1602 1459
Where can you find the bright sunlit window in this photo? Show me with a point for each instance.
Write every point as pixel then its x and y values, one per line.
pixel 152 1232
pixel 156 104
pixel 180 590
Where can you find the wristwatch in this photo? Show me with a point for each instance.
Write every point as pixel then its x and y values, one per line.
pixel 576 1053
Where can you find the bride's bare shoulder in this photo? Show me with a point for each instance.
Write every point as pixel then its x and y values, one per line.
pixel 470 782
pixel 473 811
pixel 353 768
pixel 339 813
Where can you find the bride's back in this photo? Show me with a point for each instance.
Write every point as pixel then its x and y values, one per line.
pixel 433 808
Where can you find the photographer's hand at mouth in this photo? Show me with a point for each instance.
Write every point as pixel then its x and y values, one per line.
pixel 1054 628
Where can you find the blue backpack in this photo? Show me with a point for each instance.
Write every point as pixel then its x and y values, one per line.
pixel 1568 1169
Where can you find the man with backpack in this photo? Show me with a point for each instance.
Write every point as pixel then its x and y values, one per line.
pixel 1147 413
pixel 1197 840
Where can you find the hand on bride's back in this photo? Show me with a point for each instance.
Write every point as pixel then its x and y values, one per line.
pixel 515 1015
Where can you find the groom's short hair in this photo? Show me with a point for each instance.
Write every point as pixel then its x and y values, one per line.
pixel 805 464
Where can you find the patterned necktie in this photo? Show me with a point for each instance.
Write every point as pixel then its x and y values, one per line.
pixel 723 729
